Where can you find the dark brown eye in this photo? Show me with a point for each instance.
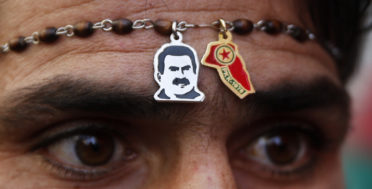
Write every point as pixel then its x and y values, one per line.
pixel 95 150
pixel 279 152
pixel 279 148
pixel 282 148
pixel 89 151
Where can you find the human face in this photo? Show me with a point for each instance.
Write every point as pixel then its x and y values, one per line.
pixel 179 77
pixel 59 103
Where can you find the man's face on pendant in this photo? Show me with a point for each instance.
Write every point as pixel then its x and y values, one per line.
pixel 81 113
pixel 178 77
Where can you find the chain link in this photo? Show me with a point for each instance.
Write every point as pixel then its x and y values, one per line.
pixel 216 25
pixel 4 48
pixel 183 26
pixel 336 52
pixel 311 35
pixel 33 39
pixel 66 30
pixel 98 25
pixel 105 25
pixel 143 24
pixel 289 28
pixel 260 25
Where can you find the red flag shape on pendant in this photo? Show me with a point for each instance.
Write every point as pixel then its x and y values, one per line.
pixel 224 56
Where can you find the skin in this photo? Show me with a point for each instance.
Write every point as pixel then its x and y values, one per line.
pixel 175 145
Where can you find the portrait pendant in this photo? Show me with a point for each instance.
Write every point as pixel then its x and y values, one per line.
pixel 176 70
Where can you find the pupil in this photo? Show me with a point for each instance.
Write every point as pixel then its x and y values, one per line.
pixel 94 150
pixel 282 149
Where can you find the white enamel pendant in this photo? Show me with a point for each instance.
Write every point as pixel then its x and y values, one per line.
pixel 176 70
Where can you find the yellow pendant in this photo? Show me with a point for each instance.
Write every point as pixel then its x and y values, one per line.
pixel 223 55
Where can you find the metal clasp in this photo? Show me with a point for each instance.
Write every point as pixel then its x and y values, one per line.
pixel 223 27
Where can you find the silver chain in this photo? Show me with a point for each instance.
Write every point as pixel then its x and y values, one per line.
pixel 143 24
pixel 33 39
pixel 183 26
pixel 107 24
pixel 311 35
pixel 289 28
pixel 67 31
pixel 4 48
pixel 215 24
pixel 260 25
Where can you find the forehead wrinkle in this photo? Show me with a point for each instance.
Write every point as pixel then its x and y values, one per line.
pixel 133 8
pixel 43 12
pixel 60 13
pixel 65 55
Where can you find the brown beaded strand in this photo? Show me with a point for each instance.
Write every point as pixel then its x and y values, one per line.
pixel 48 35
pixel 297 33
pixel 18 45
pixel 124 26
pixel 272 27
pixel 243 26
pixel 83 29
pixel 163 27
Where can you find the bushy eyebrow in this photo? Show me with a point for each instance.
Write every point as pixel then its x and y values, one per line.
pixel 63 94
pixel 289 97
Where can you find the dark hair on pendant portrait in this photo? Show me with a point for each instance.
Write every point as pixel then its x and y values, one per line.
pixel 176 51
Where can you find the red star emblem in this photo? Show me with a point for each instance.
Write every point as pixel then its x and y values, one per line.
pixel 225 54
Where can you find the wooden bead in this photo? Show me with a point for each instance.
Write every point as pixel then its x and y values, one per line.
pixel 243 26
pixel 273 27
pixel 83 29
pixel 163 27
pixel 49 35
pixel 122 26
pixel 18 45
pixel 298 33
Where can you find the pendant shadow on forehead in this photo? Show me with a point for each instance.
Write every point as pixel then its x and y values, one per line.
pixel 176 69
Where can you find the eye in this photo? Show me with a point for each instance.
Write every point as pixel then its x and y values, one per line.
pixel 278 149
pixel 87 154
pixel 85 150
pixel 282 152
pixel 94 150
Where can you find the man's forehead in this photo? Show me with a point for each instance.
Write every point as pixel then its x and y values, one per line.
pixel 54 12
pixel 270 61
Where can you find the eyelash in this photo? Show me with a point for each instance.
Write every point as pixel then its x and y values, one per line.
pixel 51 138
pixel 317 143
pixel 70 172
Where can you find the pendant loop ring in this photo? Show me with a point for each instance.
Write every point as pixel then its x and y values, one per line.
pixel 223 27
pixel 174 30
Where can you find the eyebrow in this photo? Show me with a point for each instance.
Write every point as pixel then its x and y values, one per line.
pixel 62 94
pixel 65 94
pixel 291 97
